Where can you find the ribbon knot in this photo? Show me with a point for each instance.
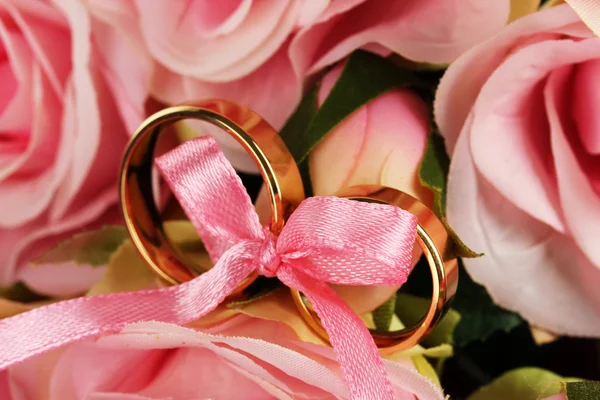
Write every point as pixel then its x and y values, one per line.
pixel 325 240
pixel 268 261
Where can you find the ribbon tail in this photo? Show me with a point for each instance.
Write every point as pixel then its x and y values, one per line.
pixel 356 352
pixel 46 328
pixel 211 194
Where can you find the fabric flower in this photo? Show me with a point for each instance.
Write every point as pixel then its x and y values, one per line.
pixel 61 134
pixel 519 114
pixel 242 357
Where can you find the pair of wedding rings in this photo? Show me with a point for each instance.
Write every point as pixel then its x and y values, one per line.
pixel 285 192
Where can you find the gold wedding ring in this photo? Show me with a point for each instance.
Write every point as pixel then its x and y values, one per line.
pixel 142 217
pixel 285 192
pixel 433 239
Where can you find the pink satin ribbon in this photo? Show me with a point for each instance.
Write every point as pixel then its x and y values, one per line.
pixel 327 239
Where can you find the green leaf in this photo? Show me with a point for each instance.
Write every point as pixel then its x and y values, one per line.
pixel 432 174
pixel 480 316
pixel 441 352
pixel 586 390
pixel 415 65
pixel 365 76
pixel 434 170
pixel 296 126
pixel 521 384
pixel 87 248
pixel 410 309
pixel 382 315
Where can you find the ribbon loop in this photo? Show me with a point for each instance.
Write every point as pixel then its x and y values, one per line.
pixel 208 189
pixel 349 242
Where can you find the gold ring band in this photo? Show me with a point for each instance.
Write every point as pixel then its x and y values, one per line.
pixel 142 217
pixel 432 237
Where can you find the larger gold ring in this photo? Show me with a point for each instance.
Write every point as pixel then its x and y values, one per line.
pixel 142 217
pixel 432 237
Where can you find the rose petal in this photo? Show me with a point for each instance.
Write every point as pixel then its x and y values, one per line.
pixel 451 28
pixel 212 19
pixel 164 360
pixel 32 379
pixel 38 176
pixel 122 57
pixel 74 279
pixel 48 38
pixel 345 156
pixel 527 267
pixel 15 119
pixel 70 375
pixel 397 133
pixel 580 203
pixel 451 111
pixel 105 160
pixel 317 23
pixel 121 396
pixel 9 84
pixel 143 335
pixel 586 98
pixel 510 128
pixel 81 121
pixel 222 58
pixel 311 10
pixel 274 80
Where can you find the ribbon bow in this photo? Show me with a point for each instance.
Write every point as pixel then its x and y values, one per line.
pixel 326 239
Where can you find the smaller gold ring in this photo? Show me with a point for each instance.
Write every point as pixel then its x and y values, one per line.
pixel 142 217
pixel 433 239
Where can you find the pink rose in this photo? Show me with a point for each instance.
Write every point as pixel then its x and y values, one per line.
pixel 156 361
pixel 260 54
pixel 61 134
pixel 382 143
pixel 519 114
